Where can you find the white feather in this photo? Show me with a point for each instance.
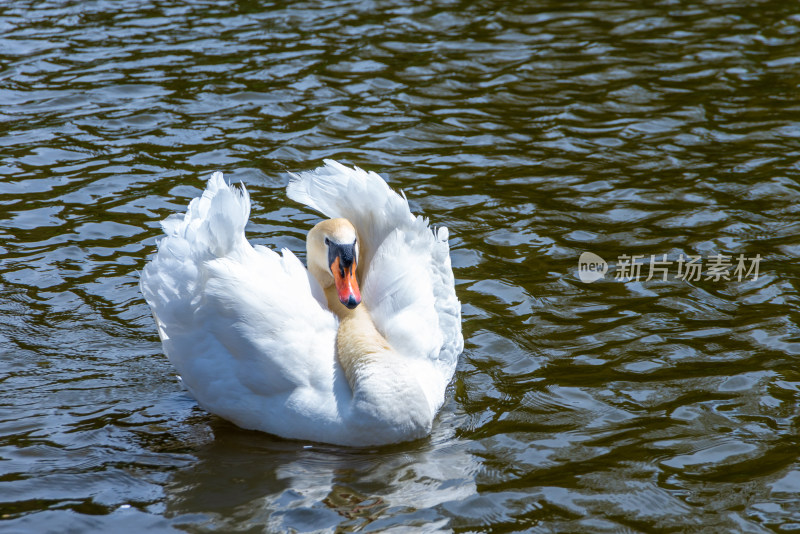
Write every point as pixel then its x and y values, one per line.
pixel 249 330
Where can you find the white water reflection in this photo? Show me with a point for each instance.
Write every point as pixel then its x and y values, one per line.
pixel 243 479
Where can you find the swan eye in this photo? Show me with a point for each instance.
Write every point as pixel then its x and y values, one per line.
pixel 327 242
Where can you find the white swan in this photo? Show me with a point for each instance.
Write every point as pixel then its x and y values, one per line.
pixel 261 341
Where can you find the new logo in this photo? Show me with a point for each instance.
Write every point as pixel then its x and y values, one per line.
pixel 591 267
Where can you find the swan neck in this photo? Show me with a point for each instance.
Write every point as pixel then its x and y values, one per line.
pixel 386 392
pixel 358 342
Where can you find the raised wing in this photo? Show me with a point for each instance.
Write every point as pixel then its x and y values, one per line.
pixel 241 324
pixel 405 265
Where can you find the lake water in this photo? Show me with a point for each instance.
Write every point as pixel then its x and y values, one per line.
pixel 536 131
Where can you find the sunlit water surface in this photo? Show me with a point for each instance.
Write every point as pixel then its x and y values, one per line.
pixel 535 133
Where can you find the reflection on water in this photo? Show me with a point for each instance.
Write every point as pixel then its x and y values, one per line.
pixel 286 485
pixel 536 133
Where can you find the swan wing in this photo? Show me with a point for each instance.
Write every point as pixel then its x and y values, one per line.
pixel 405 265
pixel 245 327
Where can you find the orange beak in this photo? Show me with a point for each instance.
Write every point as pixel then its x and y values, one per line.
pixel 346 284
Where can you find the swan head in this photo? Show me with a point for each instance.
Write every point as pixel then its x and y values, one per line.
pixel 332 255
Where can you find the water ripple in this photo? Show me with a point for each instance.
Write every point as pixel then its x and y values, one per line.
pixel 535 133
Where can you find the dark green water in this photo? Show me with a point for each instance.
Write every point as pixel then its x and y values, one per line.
pixel 536 131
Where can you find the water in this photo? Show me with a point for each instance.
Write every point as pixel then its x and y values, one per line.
pixel 535 132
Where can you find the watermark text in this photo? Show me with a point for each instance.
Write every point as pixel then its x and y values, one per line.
pixel 592 267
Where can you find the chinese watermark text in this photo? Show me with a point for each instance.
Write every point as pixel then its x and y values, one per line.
pixel 592 267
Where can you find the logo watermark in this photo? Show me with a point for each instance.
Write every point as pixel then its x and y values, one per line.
pixel 592 267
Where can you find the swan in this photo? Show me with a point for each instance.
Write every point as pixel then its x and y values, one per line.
pixel 356 350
